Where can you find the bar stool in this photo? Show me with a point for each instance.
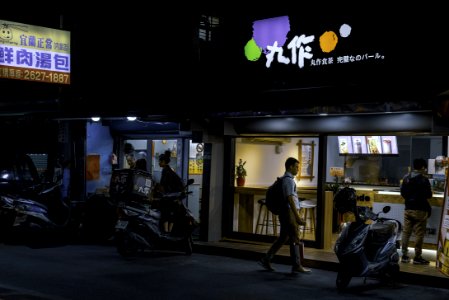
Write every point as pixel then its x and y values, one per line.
pixel 307 208
pixel 265 220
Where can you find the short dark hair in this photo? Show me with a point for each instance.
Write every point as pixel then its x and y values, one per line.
pixel 165 156
pixel 290 162
pixel 419 163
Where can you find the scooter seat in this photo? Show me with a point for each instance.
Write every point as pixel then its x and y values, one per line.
pixel 381 232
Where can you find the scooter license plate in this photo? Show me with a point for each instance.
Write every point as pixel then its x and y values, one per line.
pixel 121 224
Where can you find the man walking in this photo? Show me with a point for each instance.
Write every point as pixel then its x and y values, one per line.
pixel 289 220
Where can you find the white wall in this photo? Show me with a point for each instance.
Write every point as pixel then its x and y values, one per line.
pixel 216 190
pixel 263 164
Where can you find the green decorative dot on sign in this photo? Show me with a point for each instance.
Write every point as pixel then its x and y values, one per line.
pixel 252 51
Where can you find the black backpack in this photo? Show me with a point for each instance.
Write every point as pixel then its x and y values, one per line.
pixel 274 197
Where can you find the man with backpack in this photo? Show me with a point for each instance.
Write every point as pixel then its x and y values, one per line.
pixel 289 219
pixel 416 191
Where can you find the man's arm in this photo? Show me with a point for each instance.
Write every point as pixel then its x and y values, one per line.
pixel 291 203
pixel 428 189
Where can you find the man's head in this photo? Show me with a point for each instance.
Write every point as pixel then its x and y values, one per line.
pixel 131 160
pixel 292 165
pixel 419 164
pixel 164 158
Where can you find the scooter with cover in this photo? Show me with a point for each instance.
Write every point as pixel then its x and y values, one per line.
pixel 138 226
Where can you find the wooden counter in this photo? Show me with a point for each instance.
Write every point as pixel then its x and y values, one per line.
pixel 397 199
pixel 303 192
pixel 246 206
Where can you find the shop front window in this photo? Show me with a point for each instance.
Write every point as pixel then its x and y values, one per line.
pixel 374 166
pixel 263 160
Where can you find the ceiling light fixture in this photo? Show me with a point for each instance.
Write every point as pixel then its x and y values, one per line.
pixel 95 119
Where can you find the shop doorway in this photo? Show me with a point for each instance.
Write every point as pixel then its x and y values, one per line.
pixel 186 159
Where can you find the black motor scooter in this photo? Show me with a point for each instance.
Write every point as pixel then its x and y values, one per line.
pixel 368 247
pixel 30 207
pixel 138 225
pixel 43 212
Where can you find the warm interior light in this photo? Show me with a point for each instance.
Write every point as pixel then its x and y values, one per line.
pixel 95 119
pixel 131 118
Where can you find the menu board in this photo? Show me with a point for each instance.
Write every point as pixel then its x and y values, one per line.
pixel 370 145
pixel 359 145
pixel 345 145
pixel 373 145
pixel 389 145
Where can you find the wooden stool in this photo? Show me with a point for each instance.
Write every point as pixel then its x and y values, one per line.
pixel 308 211
pixel 265 220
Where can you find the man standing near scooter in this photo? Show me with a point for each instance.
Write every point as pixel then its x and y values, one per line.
pixel 416 191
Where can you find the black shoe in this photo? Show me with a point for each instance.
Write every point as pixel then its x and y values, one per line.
pixel 420 261
pixel 265 263
pixel 405 259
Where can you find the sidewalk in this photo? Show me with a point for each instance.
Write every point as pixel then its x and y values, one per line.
pixel 317 258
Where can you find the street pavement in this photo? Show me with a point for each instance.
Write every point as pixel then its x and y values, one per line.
pixel 98 272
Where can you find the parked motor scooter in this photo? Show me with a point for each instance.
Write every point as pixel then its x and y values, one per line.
pixel 29 206
pixel 138 226
pixel 367 249
pixel 32 214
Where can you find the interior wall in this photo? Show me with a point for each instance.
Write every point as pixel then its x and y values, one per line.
pixel 216 191
pixel 265 162
pixel 99 141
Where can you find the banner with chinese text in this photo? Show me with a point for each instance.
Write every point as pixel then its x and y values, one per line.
pixel 34 53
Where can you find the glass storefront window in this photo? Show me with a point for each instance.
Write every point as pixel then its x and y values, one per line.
pixel 265 160
pixel 377 177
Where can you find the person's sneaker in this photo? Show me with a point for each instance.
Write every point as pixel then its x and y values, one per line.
pixel 300 269
pixel 265 263
pixel 420 261
pixel 405 259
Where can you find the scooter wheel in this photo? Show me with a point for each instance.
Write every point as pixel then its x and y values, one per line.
pixel 342 281
pixel 126 247
pixel 391 274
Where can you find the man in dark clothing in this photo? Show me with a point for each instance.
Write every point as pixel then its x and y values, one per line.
pixel 170 183
pixel 290 221
pixel 415 189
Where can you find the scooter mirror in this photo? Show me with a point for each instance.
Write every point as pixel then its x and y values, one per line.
pixel 386 209
pixel 190 181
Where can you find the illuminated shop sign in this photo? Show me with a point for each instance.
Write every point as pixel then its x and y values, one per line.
pixel 304 49
pixel 34 53
pixel 384 145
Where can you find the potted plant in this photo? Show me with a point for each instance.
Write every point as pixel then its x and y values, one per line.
pixel 240 171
